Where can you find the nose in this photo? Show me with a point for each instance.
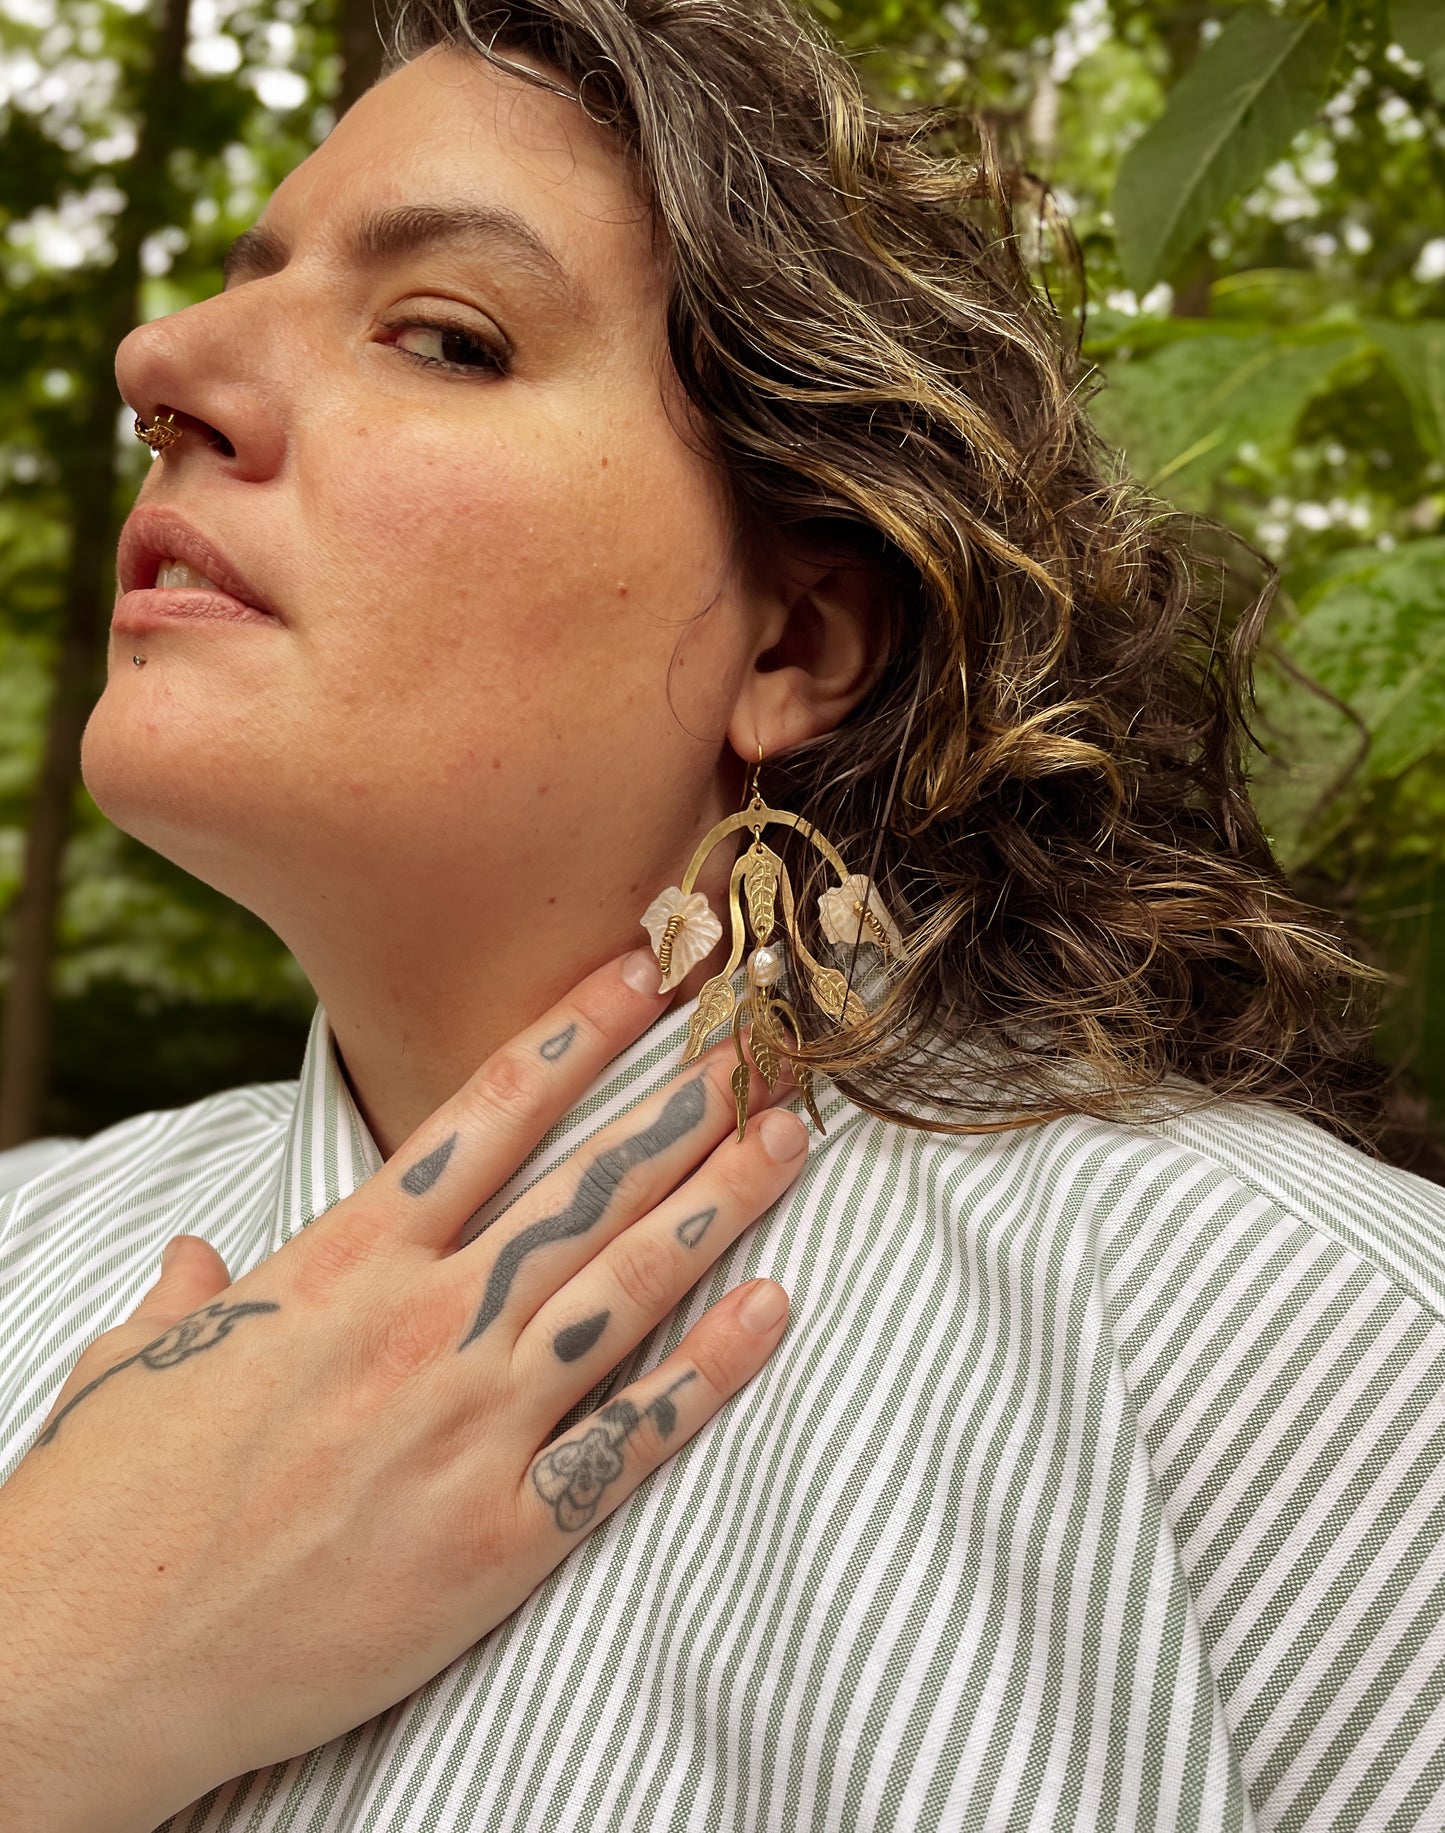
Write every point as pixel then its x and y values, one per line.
pixel 203 365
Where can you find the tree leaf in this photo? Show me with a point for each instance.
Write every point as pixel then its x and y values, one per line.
pixel 1371 633
pixel 1418 27
pixel 1374 634
pixel 1181 413
pixel 1416 355
pixel 1231 115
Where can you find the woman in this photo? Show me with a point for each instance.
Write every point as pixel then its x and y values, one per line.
pixel 612 401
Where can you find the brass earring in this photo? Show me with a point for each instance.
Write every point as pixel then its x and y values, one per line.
pixel 160 435
pixel 684 930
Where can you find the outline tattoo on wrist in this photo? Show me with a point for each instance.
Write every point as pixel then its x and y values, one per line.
pixel 203 1329
pixel 571 1477
pixel 557 1047
pixel 425 1172
pixel 577 1339
pixel 684 1111
pixel 691 1231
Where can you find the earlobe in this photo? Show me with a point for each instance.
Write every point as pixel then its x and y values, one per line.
pixel 827 654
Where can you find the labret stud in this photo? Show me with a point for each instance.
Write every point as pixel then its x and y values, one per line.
pixel 139 661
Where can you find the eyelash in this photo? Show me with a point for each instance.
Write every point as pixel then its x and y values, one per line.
pixel 497 362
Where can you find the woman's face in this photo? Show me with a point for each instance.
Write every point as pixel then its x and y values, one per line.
pixel 431 425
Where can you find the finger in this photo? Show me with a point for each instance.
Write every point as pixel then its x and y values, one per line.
pixel 580 1479
pixel 474 1142
pixel 647 1270
pixel 192 1274
pixel 571 1215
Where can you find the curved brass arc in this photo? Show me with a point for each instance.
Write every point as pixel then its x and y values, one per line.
pixel 755 818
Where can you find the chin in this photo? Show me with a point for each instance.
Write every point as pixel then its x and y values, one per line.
pixel 166 786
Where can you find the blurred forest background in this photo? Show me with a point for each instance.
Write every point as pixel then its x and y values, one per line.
pixel 1259 193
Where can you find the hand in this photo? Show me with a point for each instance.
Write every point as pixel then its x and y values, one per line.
pixel 261 1513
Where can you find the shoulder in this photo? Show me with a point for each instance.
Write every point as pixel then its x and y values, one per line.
pixel 1125 1193
pixel 149 1158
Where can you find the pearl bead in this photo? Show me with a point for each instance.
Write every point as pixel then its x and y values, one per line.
pixel 765 967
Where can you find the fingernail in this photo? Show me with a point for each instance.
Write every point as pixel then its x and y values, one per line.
pixel 764 1308
pixel 640 972
pixel 168 1254
pixel 783 1135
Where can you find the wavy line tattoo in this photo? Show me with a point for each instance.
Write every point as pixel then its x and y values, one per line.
pixel 425 1172
pixel 690 1232
pixel 201 1330
pixel 683 1112
pixel 558 1046
pixel 571 1477
pixel 577 1339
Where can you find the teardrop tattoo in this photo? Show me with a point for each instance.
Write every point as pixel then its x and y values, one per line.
pixel 690 1232
pixel 558 1046
pixel 577 1339
pixel 425 1172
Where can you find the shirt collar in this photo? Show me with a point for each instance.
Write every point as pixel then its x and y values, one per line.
pixel 329 1150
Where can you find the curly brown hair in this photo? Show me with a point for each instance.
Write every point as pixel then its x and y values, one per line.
pixel 1093 910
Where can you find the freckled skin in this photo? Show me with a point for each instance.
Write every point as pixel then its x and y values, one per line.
pixel 473 695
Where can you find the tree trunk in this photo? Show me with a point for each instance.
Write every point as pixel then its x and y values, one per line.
pixel 93 485
pixel 362 30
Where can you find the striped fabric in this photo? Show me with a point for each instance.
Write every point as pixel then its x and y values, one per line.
pixel 1099 1482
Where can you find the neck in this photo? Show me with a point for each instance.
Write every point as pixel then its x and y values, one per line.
pixel 417 1003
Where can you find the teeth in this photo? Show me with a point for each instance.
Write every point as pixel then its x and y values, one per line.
pixel 177 573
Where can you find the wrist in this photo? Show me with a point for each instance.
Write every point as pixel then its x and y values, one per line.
pixel 83 1746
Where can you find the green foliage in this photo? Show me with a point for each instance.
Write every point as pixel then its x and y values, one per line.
pixel 1234 112
pixel 1419 27
pixel 1257 190
pixel 164 989
pixel 1370 633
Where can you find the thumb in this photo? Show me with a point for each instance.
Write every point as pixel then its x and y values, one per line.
pixel 192 1274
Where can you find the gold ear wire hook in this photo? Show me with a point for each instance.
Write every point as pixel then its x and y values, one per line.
pixel 751 796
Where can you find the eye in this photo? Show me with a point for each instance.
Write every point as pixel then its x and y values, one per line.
pixel 443 346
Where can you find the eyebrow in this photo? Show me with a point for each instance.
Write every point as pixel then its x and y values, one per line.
pixel 388 235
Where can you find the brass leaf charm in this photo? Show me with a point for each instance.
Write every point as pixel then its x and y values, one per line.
pixel 715 1004
pixel 765 1040
pixel 803 1076
pixel 740 1095
pixel 762 886
pixel 830 989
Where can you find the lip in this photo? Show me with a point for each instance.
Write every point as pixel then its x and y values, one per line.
pixel 152 535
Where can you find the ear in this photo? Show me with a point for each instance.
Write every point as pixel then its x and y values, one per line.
pixel 822 645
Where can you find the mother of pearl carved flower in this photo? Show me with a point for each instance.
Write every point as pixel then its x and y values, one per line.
pixel 682 931
pixel 855 905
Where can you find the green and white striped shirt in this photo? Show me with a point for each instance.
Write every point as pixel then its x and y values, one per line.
pixel 1099 1482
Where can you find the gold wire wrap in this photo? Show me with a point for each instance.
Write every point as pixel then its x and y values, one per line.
pixel 880 934
pixel 664 947
pixel 160 435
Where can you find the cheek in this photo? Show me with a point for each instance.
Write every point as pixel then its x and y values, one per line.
pixel 535 567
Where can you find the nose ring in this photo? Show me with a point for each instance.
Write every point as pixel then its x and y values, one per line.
pixel 160 434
